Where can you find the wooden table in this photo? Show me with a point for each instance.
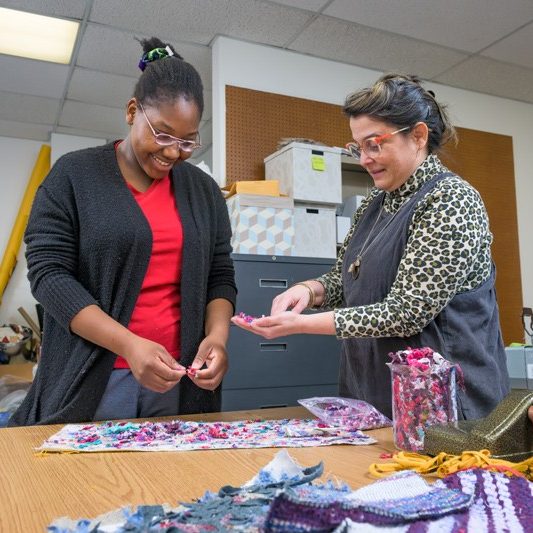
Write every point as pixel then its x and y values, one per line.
pixel 35 490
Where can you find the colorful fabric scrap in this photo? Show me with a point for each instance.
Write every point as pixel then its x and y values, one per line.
pixel 400 499
pixel 180 435
pixel 247 318
pixel 231 509
pixel 470 501
pixel 423 394
pixel 345 412
pixel 500 504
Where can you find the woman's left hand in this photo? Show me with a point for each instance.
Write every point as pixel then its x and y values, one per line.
pixel 213 353
pixel 271 327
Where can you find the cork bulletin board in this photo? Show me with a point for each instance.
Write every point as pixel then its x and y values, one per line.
pixel 256 121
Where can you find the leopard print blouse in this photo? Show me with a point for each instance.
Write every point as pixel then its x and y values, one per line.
pixel 447 252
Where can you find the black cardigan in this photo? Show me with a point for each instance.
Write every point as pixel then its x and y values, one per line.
pixel 88 242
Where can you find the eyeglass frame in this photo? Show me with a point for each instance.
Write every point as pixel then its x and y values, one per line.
pixel 353 148
pixel 175 140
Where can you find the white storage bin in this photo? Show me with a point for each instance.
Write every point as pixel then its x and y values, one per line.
pixel 315 231
pixel 343 227
pixel 307 173
pixel 261 224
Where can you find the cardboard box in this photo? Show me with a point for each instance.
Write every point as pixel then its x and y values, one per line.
pixel 18 370
pixel 307 173
pixel 261 187
pixel 315 231
pixel 261 225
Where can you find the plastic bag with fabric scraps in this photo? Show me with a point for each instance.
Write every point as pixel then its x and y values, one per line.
pixel 13 390
pixel 346 412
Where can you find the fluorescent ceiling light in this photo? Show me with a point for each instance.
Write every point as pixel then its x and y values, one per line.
pixel 36 36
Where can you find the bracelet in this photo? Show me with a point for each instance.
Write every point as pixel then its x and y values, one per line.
pixel 311 302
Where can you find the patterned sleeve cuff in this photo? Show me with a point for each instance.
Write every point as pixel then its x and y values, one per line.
pixel 332 289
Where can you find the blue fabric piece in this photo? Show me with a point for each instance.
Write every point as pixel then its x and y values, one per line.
pixel 240 508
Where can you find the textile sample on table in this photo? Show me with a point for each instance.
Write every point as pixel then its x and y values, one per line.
pixel 472 501
pixel 500 504
pixel 400 499
pixel 231 509
pixel 179 435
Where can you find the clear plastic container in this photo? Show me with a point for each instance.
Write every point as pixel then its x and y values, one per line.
pixel 421 398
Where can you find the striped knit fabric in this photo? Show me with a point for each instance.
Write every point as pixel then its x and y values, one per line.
pixel 491 502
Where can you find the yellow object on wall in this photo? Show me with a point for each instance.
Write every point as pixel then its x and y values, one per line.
pixel 9 261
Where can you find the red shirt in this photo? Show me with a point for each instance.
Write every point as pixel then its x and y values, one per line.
pixel 157 313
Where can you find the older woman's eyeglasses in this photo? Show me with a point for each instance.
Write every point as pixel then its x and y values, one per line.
pixel 372 146
pixel 164 139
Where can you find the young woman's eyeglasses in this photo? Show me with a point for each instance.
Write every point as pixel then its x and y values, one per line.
pixel 372 146
pixel 164 139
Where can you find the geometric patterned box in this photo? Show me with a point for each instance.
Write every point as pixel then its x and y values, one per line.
pixel 307 172
pixel 261 224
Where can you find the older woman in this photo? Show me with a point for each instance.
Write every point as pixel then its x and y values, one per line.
pixel 415 269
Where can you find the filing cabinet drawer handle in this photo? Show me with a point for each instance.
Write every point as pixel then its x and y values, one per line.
pixel 273 346
pixel 273 283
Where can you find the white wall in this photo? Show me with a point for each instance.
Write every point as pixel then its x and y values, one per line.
pixel 269 69
pixel 63 144
pixel 18 158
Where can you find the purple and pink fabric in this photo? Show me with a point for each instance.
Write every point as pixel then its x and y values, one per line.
pixel 179 435
pixel 423 394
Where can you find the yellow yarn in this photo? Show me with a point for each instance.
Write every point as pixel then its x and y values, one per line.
pixel 445 464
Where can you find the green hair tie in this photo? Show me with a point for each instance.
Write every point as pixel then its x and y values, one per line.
pixel 154 55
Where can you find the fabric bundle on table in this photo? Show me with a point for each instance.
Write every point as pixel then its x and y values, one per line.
pixel 284 497
pixel 180 435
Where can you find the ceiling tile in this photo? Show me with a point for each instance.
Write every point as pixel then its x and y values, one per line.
pixel 24 108
pixel 359 45
pixel 52 8
pixel 200 22
pixel 38 78
pixel 21 130
pixel 491 77
pixel 105 121
pixel 469 26
pixel 117 52
pixel 517 48
pixel 100 88
pixel 310 5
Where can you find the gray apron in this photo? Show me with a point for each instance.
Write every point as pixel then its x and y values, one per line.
pixel 466 331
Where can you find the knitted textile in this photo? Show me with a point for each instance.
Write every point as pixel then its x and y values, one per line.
pixel 500 504
pixel 405 497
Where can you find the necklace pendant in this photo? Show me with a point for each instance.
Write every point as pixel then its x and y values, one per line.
pixel 354 267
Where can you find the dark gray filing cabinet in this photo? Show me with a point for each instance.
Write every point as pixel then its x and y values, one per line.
pixel 274 373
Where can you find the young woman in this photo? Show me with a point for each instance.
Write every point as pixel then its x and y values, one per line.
pixel 415 270
pixel 128 251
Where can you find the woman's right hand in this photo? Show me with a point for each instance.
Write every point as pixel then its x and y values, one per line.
pixel 152 366
pixel 296 298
